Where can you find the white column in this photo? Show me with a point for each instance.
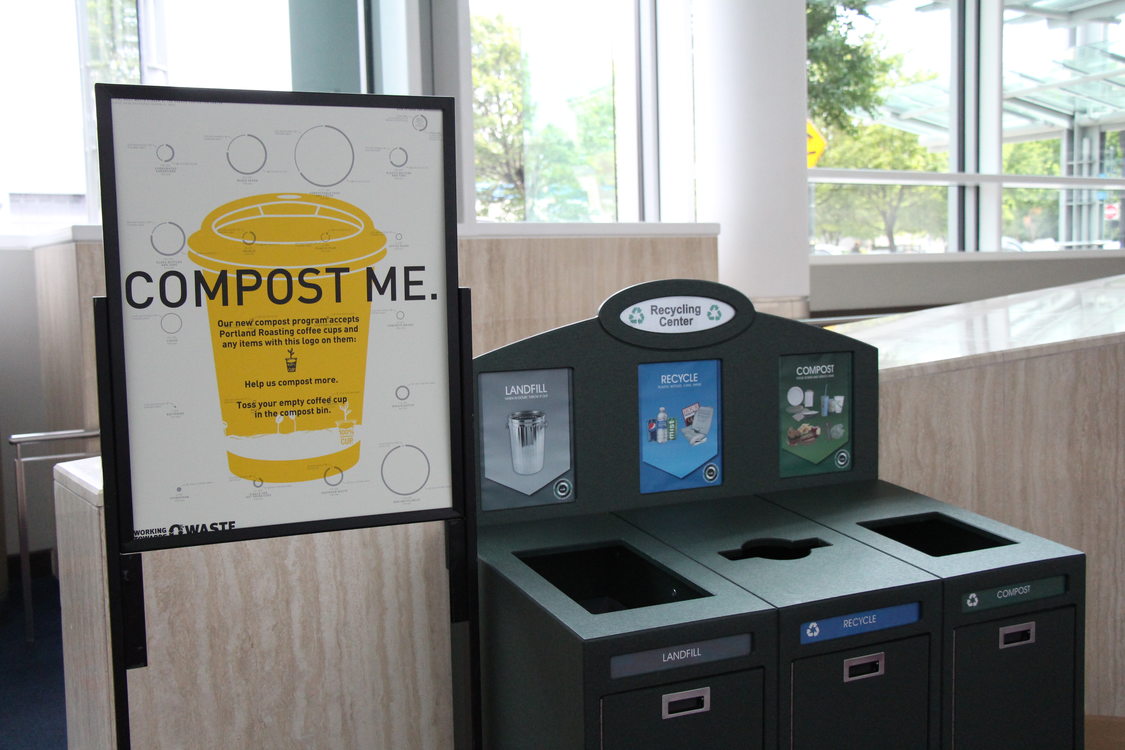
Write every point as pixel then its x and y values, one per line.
pixel 400 47
pixel 750 138
pixel 452 65
pixel 990 140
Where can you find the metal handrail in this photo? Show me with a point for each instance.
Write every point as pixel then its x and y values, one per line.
pixel 19 441
pixel 47 437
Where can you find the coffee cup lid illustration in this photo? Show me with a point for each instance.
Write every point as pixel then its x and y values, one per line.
pixel 286 230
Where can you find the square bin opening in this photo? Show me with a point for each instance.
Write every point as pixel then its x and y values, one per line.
pixel 610 577
pixel 935 534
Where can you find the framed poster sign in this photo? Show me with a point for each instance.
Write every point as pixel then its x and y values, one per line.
pixel 283 320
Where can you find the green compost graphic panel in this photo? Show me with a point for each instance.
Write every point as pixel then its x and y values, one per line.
pixel 815 408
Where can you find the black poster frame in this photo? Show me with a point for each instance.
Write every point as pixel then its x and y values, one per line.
pixel 117 461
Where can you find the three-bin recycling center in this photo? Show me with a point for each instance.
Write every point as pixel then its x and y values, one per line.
pixel 665 523
pixel 683 542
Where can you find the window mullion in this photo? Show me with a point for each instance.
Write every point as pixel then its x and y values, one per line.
pixel 648 103
pixel 990 99
pixel 960 196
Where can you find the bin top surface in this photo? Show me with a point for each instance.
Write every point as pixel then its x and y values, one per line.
pixel 834 566
pixel 499 546
pixel 861 509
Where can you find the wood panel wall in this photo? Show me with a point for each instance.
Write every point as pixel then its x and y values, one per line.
pixel 1036 441
pixel 524 286
pixel 337 640
pixel 87 664
pixel 67 277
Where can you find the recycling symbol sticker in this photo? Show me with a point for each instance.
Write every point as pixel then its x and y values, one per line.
pixel 813 630
pixel 714 313
pixel 636 316
pixel 972 600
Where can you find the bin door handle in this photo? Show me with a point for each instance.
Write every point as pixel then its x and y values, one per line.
pixel 1017 635
pixel 675 705
pixel 862 667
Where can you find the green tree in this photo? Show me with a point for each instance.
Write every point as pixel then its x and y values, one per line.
pixel 527 169
pixel 1033 157
pixel 113 42
pixel 865 211
pixel 1032 213
pixel 553 190
pixel 597 148
pixel 499 112
pixel 845 72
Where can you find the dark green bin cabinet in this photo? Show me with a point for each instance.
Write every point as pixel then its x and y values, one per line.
pixel 858 630
pixel 597 636
pixel 1012 611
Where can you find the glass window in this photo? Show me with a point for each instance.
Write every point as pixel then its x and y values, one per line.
pixel 219 44
pixel 850 219
pixel 1058 112
pixel 49 174
pixel 879 91
pixel 43 149
pixel 1063 111
pixel 1031 219
pixel 553 97
pixel 876 66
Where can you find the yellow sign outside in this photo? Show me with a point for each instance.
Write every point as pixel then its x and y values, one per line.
pixel 816 143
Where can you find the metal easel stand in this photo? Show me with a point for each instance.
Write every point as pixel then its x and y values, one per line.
pixel 19 441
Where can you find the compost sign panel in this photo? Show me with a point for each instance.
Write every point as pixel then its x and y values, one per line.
pixel 281 274
pixel 815 406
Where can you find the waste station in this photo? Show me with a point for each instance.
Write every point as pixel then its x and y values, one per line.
pixel 683 541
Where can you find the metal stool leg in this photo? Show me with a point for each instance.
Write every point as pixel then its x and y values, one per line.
pixel 19 441
pixel 25 555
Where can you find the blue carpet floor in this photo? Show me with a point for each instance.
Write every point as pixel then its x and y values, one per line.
pixel 32 707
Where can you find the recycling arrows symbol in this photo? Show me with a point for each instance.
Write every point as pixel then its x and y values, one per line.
pixel 636 317
pixel 813 630
pixel 714 313
pixel 972 600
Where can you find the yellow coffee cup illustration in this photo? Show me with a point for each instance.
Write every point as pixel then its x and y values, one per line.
pixel 286 293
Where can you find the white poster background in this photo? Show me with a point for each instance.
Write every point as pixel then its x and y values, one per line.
pixel 175 162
